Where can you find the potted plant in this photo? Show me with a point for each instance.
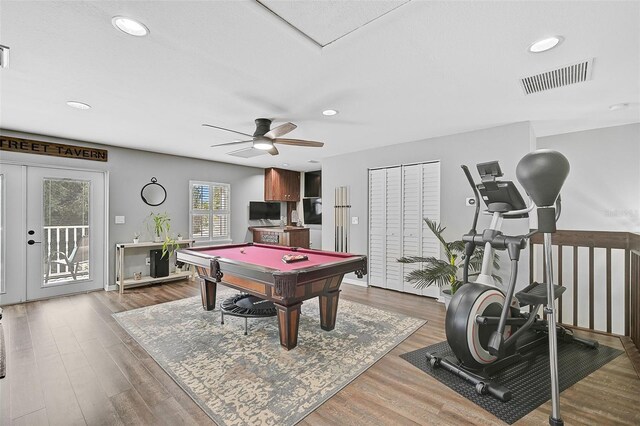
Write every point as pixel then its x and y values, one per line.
pixel 179 237
pixel 136 237
pixel 160 224
pixel 446 272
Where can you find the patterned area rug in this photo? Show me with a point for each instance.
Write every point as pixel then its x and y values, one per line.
pixel 238 379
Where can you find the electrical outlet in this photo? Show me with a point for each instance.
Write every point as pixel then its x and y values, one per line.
pixel 147 261
pixel 470 201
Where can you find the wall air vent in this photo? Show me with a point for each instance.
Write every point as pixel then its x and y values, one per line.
pixel 571 74
pixel 4 56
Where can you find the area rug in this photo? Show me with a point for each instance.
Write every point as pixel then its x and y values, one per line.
pixel 529 380
pixel 238 379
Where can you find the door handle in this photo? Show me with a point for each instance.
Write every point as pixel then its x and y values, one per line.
pixel 31 242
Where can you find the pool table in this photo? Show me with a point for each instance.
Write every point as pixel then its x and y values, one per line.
pixel 258 269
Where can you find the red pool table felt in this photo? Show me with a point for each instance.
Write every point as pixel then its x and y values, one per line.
pixel 271 256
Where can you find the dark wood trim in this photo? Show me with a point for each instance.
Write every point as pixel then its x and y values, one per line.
pixel 627 293
pixel 617 240
pixel 591 289
pixel 608 290
pixel 575 285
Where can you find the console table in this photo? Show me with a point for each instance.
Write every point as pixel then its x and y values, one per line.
pixel 121 250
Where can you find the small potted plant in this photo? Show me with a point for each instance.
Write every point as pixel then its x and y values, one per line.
pixel 446 272
pixel 179 237
pixel 160 224
pixel 136 237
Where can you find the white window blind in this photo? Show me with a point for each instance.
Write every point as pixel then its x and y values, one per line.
pixel 210 211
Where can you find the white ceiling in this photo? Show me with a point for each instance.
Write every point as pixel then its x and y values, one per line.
pixel 422 70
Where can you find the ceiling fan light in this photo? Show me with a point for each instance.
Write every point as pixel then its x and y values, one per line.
pixel 264 145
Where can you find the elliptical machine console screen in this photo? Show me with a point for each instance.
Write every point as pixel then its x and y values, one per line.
pixel 499 195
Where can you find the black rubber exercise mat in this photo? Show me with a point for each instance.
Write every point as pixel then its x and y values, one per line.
pixel 528 380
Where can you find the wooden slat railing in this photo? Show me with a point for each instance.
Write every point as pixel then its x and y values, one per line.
pixel 610 241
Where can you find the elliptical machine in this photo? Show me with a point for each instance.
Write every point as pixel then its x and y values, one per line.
pixel 485 327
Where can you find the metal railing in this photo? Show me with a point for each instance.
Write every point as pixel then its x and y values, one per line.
pixel 61 239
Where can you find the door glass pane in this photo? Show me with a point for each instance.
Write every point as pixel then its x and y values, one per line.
pixel 65 238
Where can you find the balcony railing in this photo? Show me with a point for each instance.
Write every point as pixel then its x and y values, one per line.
pixel 601 271
pixel 59 242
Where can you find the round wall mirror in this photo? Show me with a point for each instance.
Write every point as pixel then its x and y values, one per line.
pixel 153 193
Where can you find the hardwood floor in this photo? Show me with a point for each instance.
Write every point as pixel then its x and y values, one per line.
pixel 69 362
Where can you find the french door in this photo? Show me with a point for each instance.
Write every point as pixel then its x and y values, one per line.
pixel 52 232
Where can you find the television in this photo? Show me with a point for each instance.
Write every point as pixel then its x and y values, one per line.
pixel 261 210
pixel 312 211
pixel 313 184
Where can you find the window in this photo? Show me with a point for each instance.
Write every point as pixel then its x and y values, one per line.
pixel 209 211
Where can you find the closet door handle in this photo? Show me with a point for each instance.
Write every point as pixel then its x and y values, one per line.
pixel 32 242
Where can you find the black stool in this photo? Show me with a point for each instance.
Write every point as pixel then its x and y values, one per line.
pixel 246 306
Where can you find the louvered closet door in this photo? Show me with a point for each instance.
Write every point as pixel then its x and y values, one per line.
pixel 411 220
pixel 377 228
pixel 393 221
pixel 430 209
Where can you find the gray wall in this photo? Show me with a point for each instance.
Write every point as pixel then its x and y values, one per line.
pixel 505 143
pixel 130 169
pixel 602 192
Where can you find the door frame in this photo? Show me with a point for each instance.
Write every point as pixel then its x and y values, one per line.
pixel 23 223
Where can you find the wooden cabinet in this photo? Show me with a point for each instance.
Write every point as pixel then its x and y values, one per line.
pixel 281 185
pixel 291 236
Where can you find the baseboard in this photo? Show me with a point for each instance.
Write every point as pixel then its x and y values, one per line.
pixel 361 283
pixel 111 287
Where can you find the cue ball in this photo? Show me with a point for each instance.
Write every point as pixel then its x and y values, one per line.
pixel 242 251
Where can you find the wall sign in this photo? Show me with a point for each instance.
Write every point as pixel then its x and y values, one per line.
pixel 53 149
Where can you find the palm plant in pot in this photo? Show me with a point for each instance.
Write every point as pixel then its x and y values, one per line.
pixel 445 272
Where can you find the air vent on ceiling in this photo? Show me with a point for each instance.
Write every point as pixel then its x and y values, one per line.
pixel 571 74
pixel 4 56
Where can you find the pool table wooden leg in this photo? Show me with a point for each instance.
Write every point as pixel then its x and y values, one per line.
pixel 208 293
pixel 329 309
pixel 288 322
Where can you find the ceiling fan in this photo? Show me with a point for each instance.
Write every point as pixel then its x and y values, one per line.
pixel 265 137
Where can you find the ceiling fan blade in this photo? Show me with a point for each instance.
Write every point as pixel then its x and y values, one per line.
pixel 273 151
pixel 228 130
pixel 298 142
pixel 231 143
pixel 281 130
pixel 249 152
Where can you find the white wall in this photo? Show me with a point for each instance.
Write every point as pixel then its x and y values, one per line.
pixel 130 169
pixel 505 143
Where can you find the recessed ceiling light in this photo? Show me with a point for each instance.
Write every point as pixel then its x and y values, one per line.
pixel 78 105
pixel 329 112
pixel 619 106
pixel 545 44
pixel 130 26
pixel 285 164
